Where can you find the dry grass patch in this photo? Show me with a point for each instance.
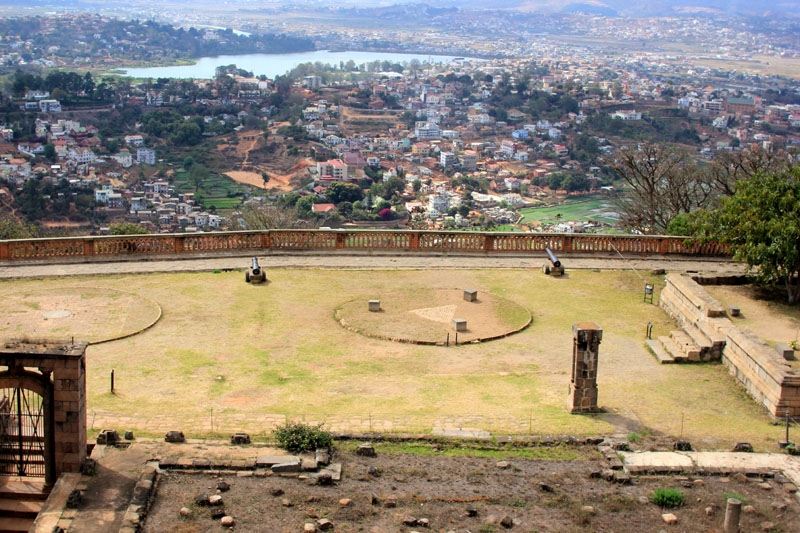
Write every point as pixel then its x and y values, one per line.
pixel 253 355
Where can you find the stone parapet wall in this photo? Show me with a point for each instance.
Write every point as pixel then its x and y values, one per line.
pixel 763 372
pixel 768 378
pixel 183 245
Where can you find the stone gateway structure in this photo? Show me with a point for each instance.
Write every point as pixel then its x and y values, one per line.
pixel 586 337
pixel 42 408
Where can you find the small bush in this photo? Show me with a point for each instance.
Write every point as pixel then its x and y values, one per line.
pixel 297 437
pixel 667 498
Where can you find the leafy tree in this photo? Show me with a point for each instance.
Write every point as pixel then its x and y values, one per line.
pixel 126 228
pixel 304 206
pixel 761 222
pixel 338 192
pixel 197 175
pixel 50 152
pixel 392 186
pixel 13 229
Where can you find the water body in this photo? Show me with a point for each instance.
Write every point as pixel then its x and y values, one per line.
pixel 273 65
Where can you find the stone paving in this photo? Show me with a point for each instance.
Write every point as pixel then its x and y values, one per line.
pixel 369 262
pixel 733 461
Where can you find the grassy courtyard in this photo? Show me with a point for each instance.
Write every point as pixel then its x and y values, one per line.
pixel 228 356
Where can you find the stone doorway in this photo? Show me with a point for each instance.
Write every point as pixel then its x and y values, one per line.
pixel 42 408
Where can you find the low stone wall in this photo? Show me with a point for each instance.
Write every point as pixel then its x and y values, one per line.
pixel 763 372
pixel 768 378
pixel 697 313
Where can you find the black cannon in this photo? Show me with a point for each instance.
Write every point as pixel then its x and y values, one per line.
pixel 255 274
pixel 555 268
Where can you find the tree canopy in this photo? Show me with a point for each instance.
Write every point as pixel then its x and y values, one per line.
pixel 761 223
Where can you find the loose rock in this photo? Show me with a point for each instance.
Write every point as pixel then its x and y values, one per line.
pixel 227 521
pixel 324 524
pixel 366 450
pixel 185 512
pixel 669 518
pixel 507 522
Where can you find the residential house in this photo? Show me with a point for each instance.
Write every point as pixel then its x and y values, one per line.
pixel 146 155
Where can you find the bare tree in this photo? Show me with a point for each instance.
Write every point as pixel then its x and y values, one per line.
pixel 264 216
pixel 662 182
pixel 730 167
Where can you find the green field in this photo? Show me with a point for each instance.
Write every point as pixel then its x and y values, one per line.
pixel 217 191
pixel 595 208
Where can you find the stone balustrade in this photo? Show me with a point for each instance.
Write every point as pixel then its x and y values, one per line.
pixel 110 248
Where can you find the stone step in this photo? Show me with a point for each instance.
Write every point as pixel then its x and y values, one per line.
pixel 20 508
pixel 672 348
pixel 15 525
pixel 658 350
pixel 22 488
pixel 685 345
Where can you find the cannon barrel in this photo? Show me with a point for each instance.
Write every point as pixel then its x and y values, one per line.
pixel 553 258
pixel 256 268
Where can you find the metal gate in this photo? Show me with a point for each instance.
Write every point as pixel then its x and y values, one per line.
pixel 21 433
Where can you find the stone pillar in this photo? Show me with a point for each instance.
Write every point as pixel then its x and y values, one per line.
pixel 69 384
pixel 586 337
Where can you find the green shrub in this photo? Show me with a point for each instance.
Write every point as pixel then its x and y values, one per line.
pixel 297 437
pixel 667 498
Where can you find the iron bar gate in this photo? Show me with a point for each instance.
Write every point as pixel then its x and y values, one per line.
pixel 22 443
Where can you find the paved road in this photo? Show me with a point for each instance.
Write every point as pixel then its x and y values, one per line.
pixel 368 262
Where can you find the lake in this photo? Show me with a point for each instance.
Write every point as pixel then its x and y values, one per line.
pixel 273 65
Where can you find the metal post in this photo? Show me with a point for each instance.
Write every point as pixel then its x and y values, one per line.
pixel 649 333
pixel 447 343
pixel 787 427
pixel 112 381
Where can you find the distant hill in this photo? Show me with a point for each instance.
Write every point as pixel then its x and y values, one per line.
pixel 625 8
pixel 628 8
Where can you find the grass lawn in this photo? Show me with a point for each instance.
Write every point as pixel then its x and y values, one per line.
pixel 228 356
pixel 596 208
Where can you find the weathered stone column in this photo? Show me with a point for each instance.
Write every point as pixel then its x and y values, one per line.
pixel 583 385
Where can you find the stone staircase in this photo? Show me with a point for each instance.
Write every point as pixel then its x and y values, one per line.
pixel 703 321
pixel 21 499
pixel 677 347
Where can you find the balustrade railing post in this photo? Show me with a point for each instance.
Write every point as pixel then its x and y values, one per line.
pixel 178 242
pixel 4 251
pixel 488 243
pixel 566 243
pixel 341 240
pixel 413 241
pixel 88 247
